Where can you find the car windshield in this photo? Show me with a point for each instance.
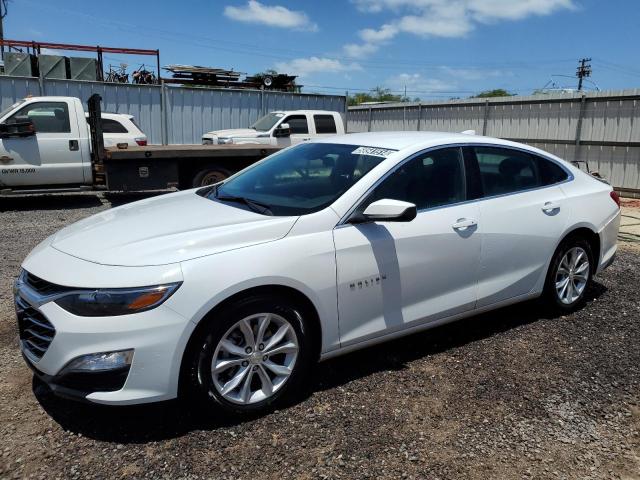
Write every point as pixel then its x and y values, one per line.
pixel 299 180
pixel 265 123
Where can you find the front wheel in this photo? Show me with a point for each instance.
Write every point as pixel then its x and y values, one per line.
pixel 570 274
pixel 252 357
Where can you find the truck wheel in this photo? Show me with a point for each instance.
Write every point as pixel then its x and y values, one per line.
pixel 209 176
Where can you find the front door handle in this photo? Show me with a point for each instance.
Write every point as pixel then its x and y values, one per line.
pixel 464 223
pixel 74 146
pixel 549 207
pixel 6 159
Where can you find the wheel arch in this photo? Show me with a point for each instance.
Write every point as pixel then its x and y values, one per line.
pixel 588 233
pixel 274 290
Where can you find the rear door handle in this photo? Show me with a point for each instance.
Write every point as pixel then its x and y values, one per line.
pixel 464 223
pixel 73 145
pixel 6 159
pixel 549 207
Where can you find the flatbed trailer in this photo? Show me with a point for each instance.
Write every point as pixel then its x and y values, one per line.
pixel 156 167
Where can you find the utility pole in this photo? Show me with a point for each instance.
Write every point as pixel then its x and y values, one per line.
pixel 584 70
pixel 3 13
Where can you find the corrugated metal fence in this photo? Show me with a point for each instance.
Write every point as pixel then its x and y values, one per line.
pixel 172 114
pixel 602 128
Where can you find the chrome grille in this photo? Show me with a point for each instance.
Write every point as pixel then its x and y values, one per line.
pixel 36 332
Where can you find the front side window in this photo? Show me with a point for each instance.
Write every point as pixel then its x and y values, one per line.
pixel 112 126
pixel 325 124
pixel 297 123
pixel 431 180
pixel 503 170
pixel 47 117
pixel 300 180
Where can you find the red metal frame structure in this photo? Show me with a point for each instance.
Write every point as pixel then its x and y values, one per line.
pixel 37 46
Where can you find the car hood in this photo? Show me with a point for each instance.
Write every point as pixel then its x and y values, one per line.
pixel 235 132
pixel 167 229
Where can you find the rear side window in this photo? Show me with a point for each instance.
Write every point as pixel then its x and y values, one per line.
pixel 325 124
pixel 506 171
pixel 113 126
pixel 47 117
pixel 297 123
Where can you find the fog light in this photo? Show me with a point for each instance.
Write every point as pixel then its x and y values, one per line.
pixel 100 362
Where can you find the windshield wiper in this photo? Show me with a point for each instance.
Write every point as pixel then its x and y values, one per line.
pixel 252 204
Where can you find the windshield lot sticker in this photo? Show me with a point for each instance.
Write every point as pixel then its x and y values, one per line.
pixel 8 171
pixel 372 151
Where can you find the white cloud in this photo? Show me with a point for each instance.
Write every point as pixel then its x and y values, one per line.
pixel 273 16
pixel 386 32
pixel 305 66
pixel 354 50
pixel 417 84
pixel 473 73
pixel 450 18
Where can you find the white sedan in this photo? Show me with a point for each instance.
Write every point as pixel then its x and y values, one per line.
pixel 230 292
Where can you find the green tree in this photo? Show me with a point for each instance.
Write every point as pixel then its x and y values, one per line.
pixel 377 94
pixel 498 92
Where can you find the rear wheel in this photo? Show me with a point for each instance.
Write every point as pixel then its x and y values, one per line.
pixel 209 176
pixel 252 357
pixel 569 275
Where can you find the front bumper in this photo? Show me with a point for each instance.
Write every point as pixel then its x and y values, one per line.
pixel 158 338
pixel 77 386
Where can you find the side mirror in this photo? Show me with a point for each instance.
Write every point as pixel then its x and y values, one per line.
pixel 17 127
pixel 387 210
pixel 282 130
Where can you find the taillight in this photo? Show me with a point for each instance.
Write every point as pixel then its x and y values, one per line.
pixel 141 142
pixel 615 197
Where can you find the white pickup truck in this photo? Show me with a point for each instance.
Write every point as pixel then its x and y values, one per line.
pixel 49 144
pixel 281 129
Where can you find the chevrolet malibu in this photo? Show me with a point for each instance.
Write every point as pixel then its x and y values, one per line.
pixel 231 292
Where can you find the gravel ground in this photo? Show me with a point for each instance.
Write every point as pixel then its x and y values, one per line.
pixel 509 394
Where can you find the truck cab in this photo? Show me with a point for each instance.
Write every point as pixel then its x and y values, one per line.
pixel 281 129
pixel 44 141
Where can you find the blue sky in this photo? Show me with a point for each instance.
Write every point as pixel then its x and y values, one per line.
pixel 434 48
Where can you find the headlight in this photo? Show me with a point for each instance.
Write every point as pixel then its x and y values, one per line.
pixel 117 301
pixel 224 141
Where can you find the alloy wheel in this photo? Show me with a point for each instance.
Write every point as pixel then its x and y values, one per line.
pixel 254 358
pixel 572 275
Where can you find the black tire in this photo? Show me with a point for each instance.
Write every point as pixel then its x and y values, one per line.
pixel 551 296
pixel 209 176
pixel 200 384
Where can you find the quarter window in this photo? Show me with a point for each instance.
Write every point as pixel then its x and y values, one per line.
pixel 297 123
pixel 112 126
pixel 550 172
pixel 431 180
pixel 47 117
pixel 325 124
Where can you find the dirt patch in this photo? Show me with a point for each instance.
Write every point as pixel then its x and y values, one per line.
pixel 509 394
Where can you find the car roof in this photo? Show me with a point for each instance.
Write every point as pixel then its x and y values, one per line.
pixel 402 140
